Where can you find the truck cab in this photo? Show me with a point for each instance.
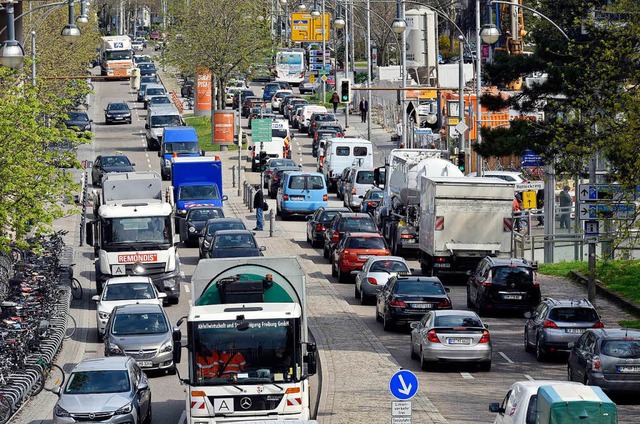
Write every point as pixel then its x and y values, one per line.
pixel 177 142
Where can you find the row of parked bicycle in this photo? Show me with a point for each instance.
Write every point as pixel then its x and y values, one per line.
pixel 35 295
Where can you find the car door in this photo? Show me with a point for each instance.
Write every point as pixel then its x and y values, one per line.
pixel 417 336
pixel 311 224
pixel 535 322
pixel 143 392
pixel 473 281
pixel 585 357
pixel 95 171
pixel 182 227
pixel 574 361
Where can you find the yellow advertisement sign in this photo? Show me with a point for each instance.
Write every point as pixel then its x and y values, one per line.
pixel 529 200
pixel 305 27
pixel 422 94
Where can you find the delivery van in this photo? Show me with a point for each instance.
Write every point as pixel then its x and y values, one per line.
pixel 343 152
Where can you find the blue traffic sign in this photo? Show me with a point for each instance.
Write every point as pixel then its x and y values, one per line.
pixel 403 385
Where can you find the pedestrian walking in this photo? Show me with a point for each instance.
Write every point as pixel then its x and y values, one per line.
pixel 335 99
pixel 258 204
pixel 540 201
pixel 364 108
pixel 565 208
pixel 399 133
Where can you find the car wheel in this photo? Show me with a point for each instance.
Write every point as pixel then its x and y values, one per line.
pixel 342 277
pixel 284 215
pixel 325 252
pixel 309 239
pixel 414 355
pixel 277 210
pixel 540 354
pixel 387 324
pixel 378 317
pixel 569 373
pixel 148 418
pixel 587 379
pixel 334 271
pixel 356 292
pixel 314 243
pixel 364 299
pixel 100 336
pixel 485 366
pixel 527 348
pixel 424 365
pixel 200 255
pixel 469 304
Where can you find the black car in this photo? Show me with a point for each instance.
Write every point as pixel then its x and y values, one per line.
pixel 214 225
pixel 407 299
pixel 284 101
pixel 149 79
pixel 371 200
pixel 117 112
pixel 503 284
pixel 79 121
pixel 247 104
pixel 276 179
pixel 147 69
pixel 106 164
pixel 320 135
pixel 239 97
pixel 273 164
pixel 140 94
pixel 316 224
pixel 191 226
pixel 234 244
pixel 345 222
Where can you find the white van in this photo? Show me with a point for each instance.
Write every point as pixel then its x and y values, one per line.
pixel 307 111
pixel 359 181
pixel 343 152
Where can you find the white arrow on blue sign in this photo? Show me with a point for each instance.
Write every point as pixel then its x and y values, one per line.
pixel 403 385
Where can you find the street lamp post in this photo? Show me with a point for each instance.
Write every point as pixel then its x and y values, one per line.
pixel 399 26
pixel 368 70
pixel 11 53
pixel 285 9
pixel 315 13
pixel 33 58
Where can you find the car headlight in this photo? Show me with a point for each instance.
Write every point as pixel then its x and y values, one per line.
pixel 166 346
pixel 170 282
pixel 124 410
pixel 103 315
pixel 60 412
pixel 87 127
pixel 108 115
pixel 206 244
pixel 115 349
pixel 192 229
pixel 167 163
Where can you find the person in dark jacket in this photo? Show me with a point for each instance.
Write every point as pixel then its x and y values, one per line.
pixel 335 99
pixel 258 202
pixel 364 109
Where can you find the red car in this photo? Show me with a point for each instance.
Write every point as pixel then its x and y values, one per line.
pixel 353 251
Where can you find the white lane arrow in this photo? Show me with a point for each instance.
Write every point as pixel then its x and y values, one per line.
pixel 405 390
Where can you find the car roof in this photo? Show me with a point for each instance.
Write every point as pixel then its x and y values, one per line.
pixel 195 208
pixel 387 258
pixel 576 303
pixel 363 234
pixel 232 232
pixel 511 261
pixel 128 279
pixel 98 364
pixel 137 308
pixel 532 386
pixel 334 209
pixel 455 312
pixel 224 220
pixel 355 215
pixel 420 278
pixel 114 156
pixel 616 333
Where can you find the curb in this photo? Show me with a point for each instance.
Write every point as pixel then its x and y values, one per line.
pixel 628 305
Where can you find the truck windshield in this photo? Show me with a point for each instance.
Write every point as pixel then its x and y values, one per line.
pixel 199 192
pixel 181 147
pixel 151 229
pixel 165 121
pixel 263 353
pixel 118 55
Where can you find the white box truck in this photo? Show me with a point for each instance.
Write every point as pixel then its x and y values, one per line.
pixel 116 56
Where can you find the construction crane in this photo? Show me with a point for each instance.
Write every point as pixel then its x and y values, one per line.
pixel 511 24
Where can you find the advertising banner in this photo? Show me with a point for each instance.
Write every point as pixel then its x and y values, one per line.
pixel 223 127
pixel 203 91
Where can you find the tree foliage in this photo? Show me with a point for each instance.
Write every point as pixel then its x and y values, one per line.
pixel 590 96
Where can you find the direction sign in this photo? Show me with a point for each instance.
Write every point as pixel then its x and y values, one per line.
pixel 324 78
pixel 261 130
pixel 403 385
pixel 533 185
pixel 401 408
pixel 595 192
pixel 529 200
pixel 593 211
pixel 591 231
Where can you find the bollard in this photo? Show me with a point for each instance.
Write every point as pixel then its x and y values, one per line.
pixel 272 219
pixel 250 198
pixel 244 193
pixel 233 172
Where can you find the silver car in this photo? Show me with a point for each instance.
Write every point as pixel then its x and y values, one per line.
pixel 375 274
pixel 109 390
pixel 144 333
pixel 451 336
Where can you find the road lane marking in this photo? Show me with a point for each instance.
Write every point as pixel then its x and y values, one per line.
pixel 466 376
pixel 186 288
pixel 528 377
pixel 183 417
pixel 506 358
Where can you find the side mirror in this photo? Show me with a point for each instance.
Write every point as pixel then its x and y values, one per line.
pixel 159 154
pixel 447 289
pixel 571 345
pixel 225 197
pixel 143 385
pixel 56 390
pixel 495 407
pixel 263 248
pixel 89 233
pixel 360 197
pixel 414 324
pixel 177 345
pixel 95 298
pixel 309 217
pixel 162 295
pixel 146 126
pixel 528 315
pixel 469 273
pixel 133 164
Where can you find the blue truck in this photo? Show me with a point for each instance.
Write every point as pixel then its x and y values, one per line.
pixel 180 142
pixel 196 181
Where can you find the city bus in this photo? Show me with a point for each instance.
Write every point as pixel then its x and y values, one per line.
pixel 290 66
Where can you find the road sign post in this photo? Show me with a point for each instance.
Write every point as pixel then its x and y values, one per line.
pixel 403 386
pixel 261 130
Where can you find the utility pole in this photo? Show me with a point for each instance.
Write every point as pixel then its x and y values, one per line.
pixel 591 282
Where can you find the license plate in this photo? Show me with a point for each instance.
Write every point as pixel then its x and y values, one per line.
pixel 364 257
pixel 422 305
pixel 628 368
pixel 574 330
pixel 438 265
pixel 297 198
pixel 409 241
pixel 458 341
pixel 145 364
pixel 512 296
pixel 119 117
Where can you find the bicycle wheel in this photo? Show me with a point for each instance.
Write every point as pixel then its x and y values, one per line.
pixel 6 409
pixel 76 289
pixel 71 326
pixel 53 377
pixel 38 384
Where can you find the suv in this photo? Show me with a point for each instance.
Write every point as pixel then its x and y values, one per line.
pixel 269 90
pixel 503 283
pixel 555 324
pixel 317 118
pixel 343 223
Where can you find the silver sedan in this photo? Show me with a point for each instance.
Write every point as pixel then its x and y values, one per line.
pixel 451 336
pixel 375 274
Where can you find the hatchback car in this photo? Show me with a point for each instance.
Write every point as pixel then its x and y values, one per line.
pixel 192 225
pixel 148 80
pixel 277 98
pixel 375 274
pixel 117 112
pixel 114 390
pixel 234 244
pixel 278 175
pixel 451 336
pixel 407 299
pixel 269 90
pixel 503 284
pixel 371 200
pixel 352 252
pixel 317 223
pixel 556 323
pixel 151 90
pixel 343 223
pixel 340 182
pixel 147 69
pixel 301 193
pixel 292 105
pixel 78 121
pixel 607 358
pixel 142 332
pixel 106 164
pixel 276 163
pixel 124 291
pixel 214 225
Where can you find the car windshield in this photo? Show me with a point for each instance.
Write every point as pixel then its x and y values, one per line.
pixel 234 241
pixel 361 225
pixel 326 134
pixel 279 133
pixel 365 243
pixel 416 287
pixel 181 147
pixel 217 226
pixel 160 100
pixel 388 265
pixel 457 321
pixel 328 117
pixel 146 66
pixel 78 116
pixel 155 91
pixel 128 291
pixel 573 315
pixel 139 323
pixel 115 161
pixel 364 177
pixel 146 80
pixel 118 106
pixel 204 214
pixel 328 216
pixel 281 162
pixel 165 121
pixel 621 348
pixel 90 382
pixel 196 192
pixel 505 275
pixel 376 195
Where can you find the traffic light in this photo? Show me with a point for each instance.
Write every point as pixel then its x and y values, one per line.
pixel 345 91
pixel 461 161
pixel 263 161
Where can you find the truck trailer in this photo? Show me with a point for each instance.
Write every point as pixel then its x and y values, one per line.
pixel 254 312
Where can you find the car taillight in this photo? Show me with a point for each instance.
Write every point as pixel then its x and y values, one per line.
pixel 372 280
pixel 325 198
pixel 596 365
pixel 549 324
pixel 398 304
pixel 406 236
pixel 432 336
pixel 444 304
pixel 285 197
pixel 275 177
pixel 319 227
pixel 372 204
pixel 598 324
pixel 335 236
pixel 488 281
pixel 485 337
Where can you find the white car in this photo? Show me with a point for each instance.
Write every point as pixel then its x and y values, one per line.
pixel 375 274
pixel 124 291
pixel 137 45
pixel 277 98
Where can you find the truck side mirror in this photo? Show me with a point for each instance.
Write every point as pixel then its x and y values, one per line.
pixel 495 407
pixel 312 364
pixel 146 126
pixel 177 345
pixel 159 154
pixel 376 177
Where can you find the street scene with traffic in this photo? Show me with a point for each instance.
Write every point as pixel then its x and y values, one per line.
pixel 310 237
